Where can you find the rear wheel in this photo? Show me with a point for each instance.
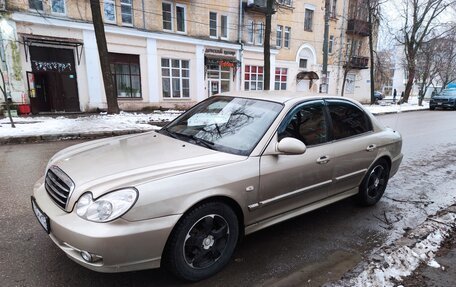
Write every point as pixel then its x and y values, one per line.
pixel 202 242
pixel 374 183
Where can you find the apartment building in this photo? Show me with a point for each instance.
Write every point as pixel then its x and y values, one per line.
pixel 166 53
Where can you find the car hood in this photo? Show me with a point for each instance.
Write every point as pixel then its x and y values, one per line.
pixel 104 165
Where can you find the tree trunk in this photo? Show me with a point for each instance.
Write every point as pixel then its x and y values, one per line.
pixel 344 80
pixel 267 46
pixel 111 97
pixel 409 85
pixel 7 102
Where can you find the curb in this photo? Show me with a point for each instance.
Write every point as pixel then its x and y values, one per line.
pixel 67 136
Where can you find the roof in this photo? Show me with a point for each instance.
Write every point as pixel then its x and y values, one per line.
pixel 276 96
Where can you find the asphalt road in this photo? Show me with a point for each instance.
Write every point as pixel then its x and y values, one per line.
pixel 306 251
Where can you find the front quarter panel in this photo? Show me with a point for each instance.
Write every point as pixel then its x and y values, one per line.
pixel 175 195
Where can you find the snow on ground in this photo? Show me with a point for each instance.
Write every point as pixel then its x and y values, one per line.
pixel 400 260
pixel 39 125
pixel 387 106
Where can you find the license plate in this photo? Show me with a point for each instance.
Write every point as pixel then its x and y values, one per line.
pixel 43 219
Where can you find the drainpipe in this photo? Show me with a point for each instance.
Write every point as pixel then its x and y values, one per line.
pixel 143 15
pixel 241 53
pixel 342 33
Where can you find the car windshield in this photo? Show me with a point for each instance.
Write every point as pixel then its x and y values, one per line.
pixel 227 124
pixel 448 93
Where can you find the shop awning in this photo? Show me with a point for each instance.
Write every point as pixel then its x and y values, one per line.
pixel 221 60
pixel 42 40
pixel 307 76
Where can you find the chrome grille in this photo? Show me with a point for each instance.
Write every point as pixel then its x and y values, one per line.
pixel 58 185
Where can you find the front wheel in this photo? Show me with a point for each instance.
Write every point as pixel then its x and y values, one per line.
pixel 374 183
pixel 202 242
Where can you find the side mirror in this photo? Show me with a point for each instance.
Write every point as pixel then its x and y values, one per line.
pixel 291 146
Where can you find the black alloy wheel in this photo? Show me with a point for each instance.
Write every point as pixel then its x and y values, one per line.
pixel 202 242
pixel 374 183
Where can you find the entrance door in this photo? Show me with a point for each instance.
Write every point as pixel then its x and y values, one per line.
pixel 214 87
pixel 54 71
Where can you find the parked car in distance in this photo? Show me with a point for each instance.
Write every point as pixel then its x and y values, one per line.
pixel 378 95
pixel 183 196
pixel 446 99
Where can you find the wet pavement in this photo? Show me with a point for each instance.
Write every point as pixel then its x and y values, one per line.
pixel 309 250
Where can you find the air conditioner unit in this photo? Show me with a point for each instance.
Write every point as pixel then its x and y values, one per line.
pixel 2 5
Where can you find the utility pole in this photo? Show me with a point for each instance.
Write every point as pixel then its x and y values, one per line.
pixel 370 6
pixel 267 45
pixel 111 97
pixel 324 72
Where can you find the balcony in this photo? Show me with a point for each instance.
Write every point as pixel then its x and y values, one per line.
pixel 258 6
pixel 358 27
pixel 358 63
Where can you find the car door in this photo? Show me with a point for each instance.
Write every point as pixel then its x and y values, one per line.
pixel 291 181
pixel 355 145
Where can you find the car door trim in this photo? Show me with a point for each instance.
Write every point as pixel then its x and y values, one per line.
pixel 287 195
pixel 345 176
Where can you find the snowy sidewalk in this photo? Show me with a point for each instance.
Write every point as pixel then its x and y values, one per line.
pixel 40 128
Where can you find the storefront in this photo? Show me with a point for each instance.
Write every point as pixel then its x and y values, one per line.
pixel 52 81
pixel 221 67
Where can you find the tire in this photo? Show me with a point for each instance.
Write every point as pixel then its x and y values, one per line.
pixel 202 242
pixel 432 108
pixel 374 183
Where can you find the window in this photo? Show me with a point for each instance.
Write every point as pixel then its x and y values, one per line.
pixel 253 78
pixel 285 2
pixel 333 12
pixel 36 5
pixel 224 26
pixel 347 120
pixel 126 11
pixel 126 75
pixel 306 123
pixel 286 42
pixel 330 44
pixel 308 20
pixel 213 24
pixel 57 6
pixel 175 78
pixel 109 11
pixel 167 16
pixel 180 18
pixel 279 36
pixel 260 31
pixel 250 32
pixel 280 79
pixel 303 63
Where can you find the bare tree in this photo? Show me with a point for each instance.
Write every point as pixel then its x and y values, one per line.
pixel 445 56
pixel 420 19
pixel 111 97
pixel 7 99
pixel 267 44
pixel 426 68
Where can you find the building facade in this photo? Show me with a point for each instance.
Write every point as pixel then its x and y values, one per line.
pixel 168 53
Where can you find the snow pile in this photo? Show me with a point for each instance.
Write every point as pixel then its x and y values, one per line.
pixel 33 126
pixel 390 263
pixel 389 106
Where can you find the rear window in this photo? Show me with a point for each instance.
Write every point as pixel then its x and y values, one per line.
pixel 347 120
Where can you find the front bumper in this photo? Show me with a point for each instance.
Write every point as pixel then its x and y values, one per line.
pixel 122 245
pixel 446 105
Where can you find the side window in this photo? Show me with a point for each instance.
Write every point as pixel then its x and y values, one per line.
pixel 347 120
pixel 306 123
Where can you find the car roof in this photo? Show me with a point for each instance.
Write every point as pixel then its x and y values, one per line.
pixel 278 96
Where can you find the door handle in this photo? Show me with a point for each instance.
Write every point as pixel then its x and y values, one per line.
pixel 371 147
pixel 323 159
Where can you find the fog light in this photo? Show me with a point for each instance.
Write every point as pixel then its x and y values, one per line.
pixel 86 256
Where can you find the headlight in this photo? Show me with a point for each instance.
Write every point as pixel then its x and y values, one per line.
pixel 108 207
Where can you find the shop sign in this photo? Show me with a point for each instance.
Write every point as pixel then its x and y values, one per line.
pixel 221 52
pixel 41 66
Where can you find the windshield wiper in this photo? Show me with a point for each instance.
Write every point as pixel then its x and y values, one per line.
pixel 196 140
